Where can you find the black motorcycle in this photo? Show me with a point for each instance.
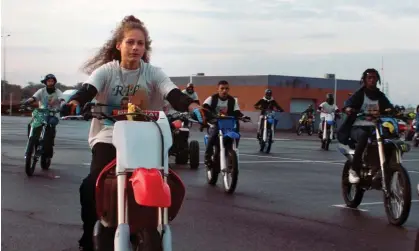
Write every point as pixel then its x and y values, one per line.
pixel 182 149
pixel 382 165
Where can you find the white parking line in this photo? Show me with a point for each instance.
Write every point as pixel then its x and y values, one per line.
pixel 366 204
pixel 275 139
pixel 345 207
pixel 276 159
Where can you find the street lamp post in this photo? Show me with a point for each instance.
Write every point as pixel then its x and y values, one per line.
pixel 336 87
pixel 4 64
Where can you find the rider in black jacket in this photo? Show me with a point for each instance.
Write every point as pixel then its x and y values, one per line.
pixel 266 103
pixel 368 97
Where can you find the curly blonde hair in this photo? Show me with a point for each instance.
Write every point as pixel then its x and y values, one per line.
pixel 108 52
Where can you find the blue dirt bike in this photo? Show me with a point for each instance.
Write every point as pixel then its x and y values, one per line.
pixel 268 130
pixel 38 145
pixel 381 166
pixel 225 152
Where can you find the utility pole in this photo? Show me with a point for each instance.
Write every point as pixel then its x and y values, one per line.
pixel 4 66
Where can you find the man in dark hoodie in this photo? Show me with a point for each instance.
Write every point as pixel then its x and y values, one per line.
pixel 266 103
pixel 367 98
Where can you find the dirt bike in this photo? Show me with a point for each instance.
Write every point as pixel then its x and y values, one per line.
pixel 382 164
pixel 181 149
pixel 402 129
pixel 328 124
pixel 225 152
pixel 268 131
pixel 137 195
pixel 39 146
pixel 305 124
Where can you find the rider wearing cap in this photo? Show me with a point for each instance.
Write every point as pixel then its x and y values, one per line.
pixel 191 92
pixel 266 103
pixel 47 97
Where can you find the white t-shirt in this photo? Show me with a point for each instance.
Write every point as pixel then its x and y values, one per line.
pixel 222 107
pixel 46 100
pixel 368 105
pixel 193 96
pixel 327 109
pixel 146 87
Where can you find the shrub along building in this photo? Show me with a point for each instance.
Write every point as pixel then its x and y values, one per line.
pixel 294 94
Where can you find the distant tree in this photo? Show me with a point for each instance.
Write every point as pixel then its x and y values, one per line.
pixel 26 92
pixel 8 90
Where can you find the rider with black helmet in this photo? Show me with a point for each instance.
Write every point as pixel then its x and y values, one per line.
pixel 191 92
pixel 47 97
pixel 266 103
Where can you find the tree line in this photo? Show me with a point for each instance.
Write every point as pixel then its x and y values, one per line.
pixel 18 93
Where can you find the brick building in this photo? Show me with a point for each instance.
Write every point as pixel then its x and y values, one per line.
pixel 294 94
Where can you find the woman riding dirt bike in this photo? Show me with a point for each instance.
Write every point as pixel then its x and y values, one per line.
pixel 121 70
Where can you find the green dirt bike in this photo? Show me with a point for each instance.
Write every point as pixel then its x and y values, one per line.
pixel 39 146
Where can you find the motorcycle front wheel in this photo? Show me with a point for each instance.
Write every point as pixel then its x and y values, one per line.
pixel 30 154
pixel 231 175
pixel 398 202
pixel 352 193
pixel 270 140
pixel 214 168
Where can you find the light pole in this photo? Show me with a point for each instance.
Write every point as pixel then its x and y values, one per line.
pixel 336 87
pixel 4 64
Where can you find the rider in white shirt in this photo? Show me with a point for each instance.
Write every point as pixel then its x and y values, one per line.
pixel 221 103
pixel 47 97
pixel 327 107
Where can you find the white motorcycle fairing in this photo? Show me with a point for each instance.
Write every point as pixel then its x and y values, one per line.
pixel 139 145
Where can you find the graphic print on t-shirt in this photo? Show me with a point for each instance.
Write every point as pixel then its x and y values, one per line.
pixel 134 94
pixel 223 111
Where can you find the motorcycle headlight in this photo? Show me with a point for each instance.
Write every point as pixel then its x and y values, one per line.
pixel 388 130
pixel 389 127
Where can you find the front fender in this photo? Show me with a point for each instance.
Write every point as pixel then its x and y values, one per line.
pixel 232 135
pixel 401 145
pixel 271 120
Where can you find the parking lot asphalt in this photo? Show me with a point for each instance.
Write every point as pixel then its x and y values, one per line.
pixel 288 200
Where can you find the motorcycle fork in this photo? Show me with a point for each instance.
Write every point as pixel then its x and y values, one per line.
pixel 324 129
pixel 27 144
pixel 122 200
pixel 40 148
pixel 223 164
pixel 273 130
pixel 265 125
pixel 381 154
